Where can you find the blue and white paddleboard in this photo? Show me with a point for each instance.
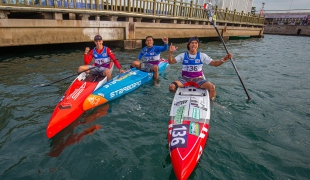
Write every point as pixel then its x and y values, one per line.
pixel 120 85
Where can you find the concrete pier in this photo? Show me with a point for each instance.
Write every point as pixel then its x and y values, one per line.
pixel 19 32
pixel 127 26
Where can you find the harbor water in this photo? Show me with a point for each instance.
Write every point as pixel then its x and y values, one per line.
pixel 265 138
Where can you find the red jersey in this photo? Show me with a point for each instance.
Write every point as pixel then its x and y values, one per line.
pixel 89 57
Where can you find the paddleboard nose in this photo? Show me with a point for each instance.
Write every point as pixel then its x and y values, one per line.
pixel 92 101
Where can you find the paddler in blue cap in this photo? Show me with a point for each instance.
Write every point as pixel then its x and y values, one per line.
pixel 192 62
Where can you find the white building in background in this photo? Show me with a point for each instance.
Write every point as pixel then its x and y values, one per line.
pixel 239 5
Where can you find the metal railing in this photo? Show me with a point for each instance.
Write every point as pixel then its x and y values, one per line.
pixel 167 8
pixel 227 16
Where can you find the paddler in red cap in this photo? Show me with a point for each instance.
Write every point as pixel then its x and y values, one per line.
pixel 102 55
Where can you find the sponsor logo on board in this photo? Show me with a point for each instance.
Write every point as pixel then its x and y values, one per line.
pixel 64 106
pixel 203 133
pixel 126 75
pixel 109 84
pixel 179 114
pixel 93 100
pixel 194 129
pixel 196 113
pixel 125 89
pixel 77 92
pixel 179 103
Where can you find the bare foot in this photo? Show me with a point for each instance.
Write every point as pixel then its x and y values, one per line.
pixel 156 84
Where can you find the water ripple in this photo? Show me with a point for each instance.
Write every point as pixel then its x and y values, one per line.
pixel 265 138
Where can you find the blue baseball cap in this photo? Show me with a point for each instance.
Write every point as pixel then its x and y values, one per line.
pixel 195 38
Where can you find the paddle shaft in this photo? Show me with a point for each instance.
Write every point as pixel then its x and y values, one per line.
pixel 232 62
pixel 212 17
pixel 42 85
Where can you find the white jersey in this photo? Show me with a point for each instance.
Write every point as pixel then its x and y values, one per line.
pixel 192 64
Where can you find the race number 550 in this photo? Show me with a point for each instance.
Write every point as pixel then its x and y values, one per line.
pixel 179 136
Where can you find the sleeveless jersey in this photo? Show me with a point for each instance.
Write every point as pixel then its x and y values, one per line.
pixel 192 67
pixel 102 59
pixel 150 55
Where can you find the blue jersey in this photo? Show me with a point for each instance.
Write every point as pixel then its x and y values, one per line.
pixel 152 55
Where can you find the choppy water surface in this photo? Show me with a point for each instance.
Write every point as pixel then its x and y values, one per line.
pixel 266 138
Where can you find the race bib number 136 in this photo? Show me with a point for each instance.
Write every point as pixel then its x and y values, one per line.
pixel 179 136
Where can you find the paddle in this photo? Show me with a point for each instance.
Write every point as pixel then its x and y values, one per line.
pixel 48 84
pixel 212 18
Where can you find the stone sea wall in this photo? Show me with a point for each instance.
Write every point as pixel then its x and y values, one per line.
pixel 287 30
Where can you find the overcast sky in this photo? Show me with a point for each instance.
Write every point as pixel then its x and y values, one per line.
pixel 282 4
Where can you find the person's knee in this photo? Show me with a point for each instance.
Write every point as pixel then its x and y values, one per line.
pixel 155 68
pixel 212 87
pixel 135 64
pixel 173 86
pixel 81 68
pixel 107 72
pixel 209 86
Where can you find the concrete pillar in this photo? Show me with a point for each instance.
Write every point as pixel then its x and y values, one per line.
pixel 157 20
pixel 4 14
pixel 129 19
pixel 57 16
pixel 72 16
pixel 196 22
pixel 153 20
pixel 138 19
pixel 131 31
pixel 132 44
pixel 48 15
pixel 225 29
pixel 84 17
pixel 261 32
pixel 204 23
pixel 225 38
pixel 182 22
pixel 97 18
pixel 113 18
pixel 174 21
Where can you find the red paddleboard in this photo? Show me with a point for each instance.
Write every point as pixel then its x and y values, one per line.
pixel 188 129
pixel 70 106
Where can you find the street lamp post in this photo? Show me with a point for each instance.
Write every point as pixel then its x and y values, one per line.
pixel 262 10
pixel 291 6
